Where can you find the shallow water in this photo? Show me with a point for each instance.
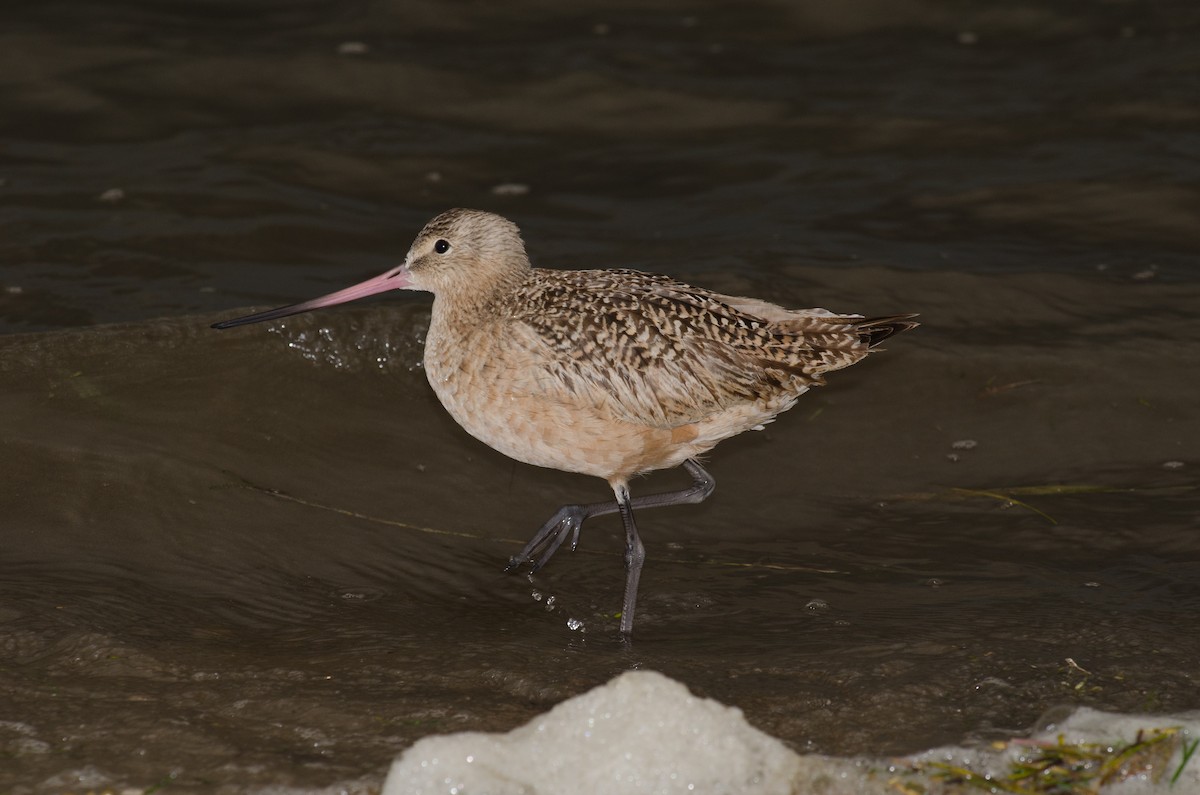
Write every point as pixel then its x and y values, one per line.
pixel 266 557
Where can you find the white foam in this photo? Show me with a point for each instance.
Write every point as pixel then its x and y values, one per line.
pixel 645 734
pixel 640 733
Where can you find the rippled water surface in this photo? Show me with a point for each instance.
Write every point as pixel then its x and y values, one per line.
pixel 267 558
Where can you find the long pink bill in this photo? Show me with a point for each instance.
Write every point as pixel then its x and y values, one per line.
pixel 395 279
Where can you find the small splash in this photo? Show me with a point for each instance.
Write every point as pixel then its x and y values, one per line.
pixel 961 444
pixel 575 625
pixel 364 345
pixel 816 605
pixel 358 595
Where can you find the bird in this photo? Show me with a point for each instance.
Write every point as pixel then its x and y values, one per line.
pixel 612 373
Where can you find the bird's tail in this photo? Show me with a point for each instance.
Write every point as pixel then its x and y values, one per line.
pixel 875 330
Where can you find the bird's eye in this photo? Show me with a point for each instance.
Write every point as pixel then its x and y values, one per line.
pixel 442 246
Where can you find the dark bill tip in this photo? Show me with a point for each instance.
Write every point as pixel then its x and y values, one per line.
pixel 259 317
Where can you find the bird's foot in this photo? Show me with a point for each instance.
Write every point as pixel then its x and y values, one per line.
pixel 567 521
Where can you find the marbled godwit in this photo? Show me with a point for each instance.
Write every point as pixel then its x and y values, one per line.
pixel 610 373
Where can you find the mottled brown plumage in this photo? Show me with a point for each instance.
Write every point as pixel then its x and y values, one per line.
pixel 609 373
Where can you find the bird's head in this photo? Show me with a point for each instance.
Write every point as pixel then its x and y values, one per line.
pixel 466 254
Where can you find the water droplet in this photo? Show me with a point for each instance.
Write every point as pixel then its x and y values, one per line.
pixel 816 605
pixel 574 624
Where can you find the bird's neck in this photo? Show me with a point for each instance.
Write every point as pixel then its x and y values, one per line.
pixel 487 298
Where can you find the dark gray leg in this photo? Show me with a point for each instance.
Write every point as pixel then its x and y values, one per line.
pixel 570 518
pixel 635 556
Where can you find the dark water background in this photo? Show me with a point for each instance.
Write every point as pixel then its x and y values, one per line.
pixel 266 557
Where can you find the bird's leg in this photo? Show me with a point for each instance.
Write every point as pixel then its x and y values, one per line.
pixel 570 518
pixel 635 556
pixel 566 521
pixel 702 487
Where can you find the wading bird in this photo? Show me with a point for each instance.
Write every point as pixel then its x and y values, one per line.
pixel 611 373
